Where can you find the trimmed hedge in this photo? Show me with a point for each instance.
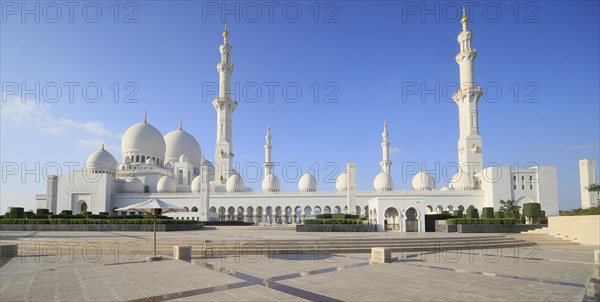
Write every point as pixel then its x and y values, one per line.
pixel 344 216
pixel 458 213
pixel 499 214
pixel 532 209
pixel 575 212
pixel 42 212
pixel 487 212
pixel 66 213
pixel 95 221
pixel 17 212
pixel 472 213
pixel 324 216
pixel 232 222
pixel 481 221
pixel 333 221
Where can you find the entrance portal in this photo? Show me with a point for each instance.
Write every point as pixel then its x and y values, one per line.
pixel 412 223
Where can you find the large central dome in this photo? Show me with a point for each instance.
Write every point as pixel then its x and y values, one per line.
pixel 143 138
pixel 179 142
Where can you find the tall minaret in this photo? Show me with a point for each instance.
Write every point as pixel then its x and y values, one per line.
pixel 385 148
pixel 268 164
pixel 470 150
pixel 225 106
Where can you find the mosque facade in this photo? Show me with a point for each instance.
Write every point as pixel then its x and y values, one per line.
pixel 173 168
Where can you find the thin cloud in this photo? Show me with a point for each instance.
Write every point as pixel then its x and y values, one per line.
pixel 97 143
pixel 38 115
pixel 584 147
pixel 395 150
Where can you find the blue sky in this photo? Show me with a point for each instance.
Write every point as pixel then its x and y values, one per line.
pixel 538 61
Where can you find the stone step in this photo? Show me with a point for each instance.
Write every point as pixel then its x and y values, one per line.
pixel 55 246
pixel 542 231
pixel 230 248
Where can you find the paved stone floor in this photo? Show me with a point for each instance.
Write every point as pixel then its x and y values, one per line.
pixel 550 270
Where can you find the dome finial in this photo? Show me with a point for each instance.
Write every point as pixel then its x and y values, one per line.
pixel 464 19
pixel 268 130
pixel 180 124
pixel 102 146
pixel 145 118
pixel 225 34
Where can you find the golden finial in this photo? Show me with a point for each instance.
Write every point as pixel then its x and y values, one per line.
pixel 180 124
pixel 145 118
pixel 225 34
pixel 384 124
pixel 102 146
pixel 464 19
pixel 268 130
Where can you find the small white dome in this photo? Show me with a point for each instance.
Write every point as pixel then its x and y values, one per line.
pixel 196 184
pixel 184 158
pixel 423 182
pixel 143 138
pixel 383 182
pixel 461 181
pixel 179 142
pixel 341 184
pixel 444 188
pixel 149 161
pixel 133 185
pixel 127 160
pixel 307 183
pixel 271 183
pixel 169 166
pixel 235 183
pixel 166 184
pixel 101 161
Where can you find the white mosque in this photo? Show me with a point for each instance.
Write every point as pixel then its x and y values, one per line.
pixel 174 169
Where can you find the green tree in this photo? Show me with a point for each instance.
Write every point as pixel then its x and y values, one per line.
pixel 593 188
pixel 510 209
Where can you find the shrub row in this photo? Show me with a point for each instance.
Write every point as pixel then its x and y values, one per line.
pixel 580 211
pixel 481 221
pixel 31 215
pixel 337 216
pixel 95 221
pixel 233 222
pixel 333 221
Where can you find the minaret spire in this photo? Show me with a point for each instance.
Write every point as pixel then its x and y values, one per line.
pixel 180 124
pixel 464 19
pixel 268 164
pixel 385 149
pixel 470 157
pixel 225 106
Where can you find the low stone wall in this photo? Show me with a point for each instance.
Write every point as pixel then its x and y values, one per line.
pixel 583 229
pixel 100 227
pixel 441 226
pixel 336 228
pixel 496 228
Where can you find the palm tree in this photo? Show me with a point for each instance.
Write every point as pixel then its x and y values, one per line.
pixel 593 188
pixel 510 209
